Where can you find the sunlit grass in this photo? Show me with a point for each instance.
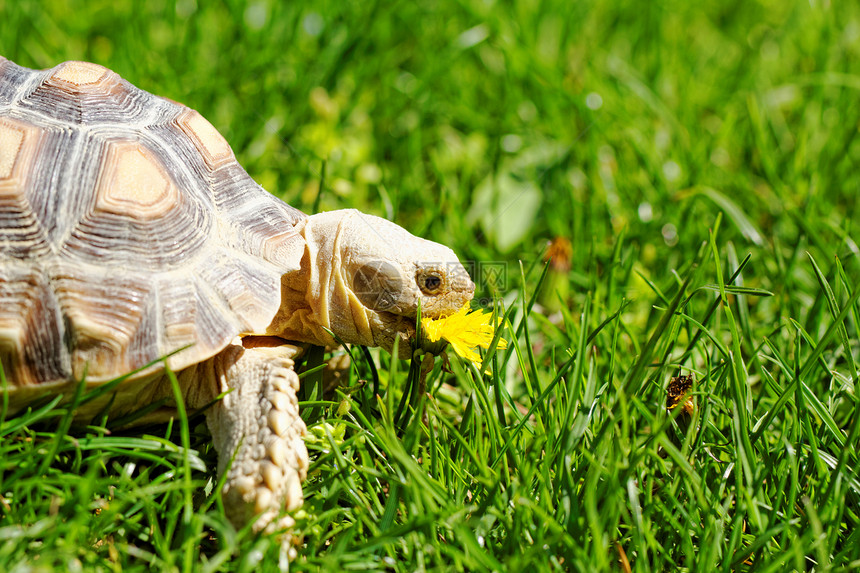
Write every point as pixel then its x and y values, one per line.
pixel 701 163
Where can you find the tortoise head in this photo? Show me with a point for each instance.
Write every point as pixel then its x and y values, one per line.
pixel 368 276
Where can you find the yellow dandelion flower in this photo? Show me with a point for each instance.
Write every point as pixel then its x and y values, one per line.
pixel 465 331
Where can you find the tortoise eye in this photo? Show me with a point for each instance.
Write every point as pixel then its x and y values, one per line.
pixel 430 283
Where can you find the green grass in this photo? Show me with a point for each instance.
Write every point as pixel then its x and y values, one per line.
pixel 701 158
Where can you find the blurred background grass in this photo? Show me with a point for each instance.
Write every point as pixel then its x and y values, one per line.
pixel 616 131
pixel 495 127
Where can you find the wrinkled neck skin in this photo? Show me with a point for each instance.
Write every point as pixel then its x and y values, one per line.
pixel 318 297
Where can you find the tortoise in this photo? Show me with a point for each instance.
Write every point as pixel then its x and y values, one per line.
pixel 129 233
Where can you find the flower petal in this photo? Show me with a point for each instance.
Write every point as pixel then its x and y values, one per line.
pixel 465 331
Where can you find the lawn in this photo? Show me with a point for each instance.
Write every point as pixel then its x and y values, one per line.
pixel 647 190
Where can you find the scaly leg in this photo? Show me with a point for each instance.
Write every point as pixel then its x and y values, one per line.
pixel 257 424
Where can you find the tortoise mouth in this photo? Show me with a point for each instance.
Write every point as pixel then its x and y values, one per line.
pixel 406 340
pixel 396 327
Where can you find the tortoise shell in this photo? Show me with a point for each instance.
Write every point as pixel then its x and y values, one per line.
pixel 127 230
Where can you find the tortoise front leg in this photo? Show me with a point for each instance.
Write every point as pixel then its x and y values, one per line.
pixel 257 424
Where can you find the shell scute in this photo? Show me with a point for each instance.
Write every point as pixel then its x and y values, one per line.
pixel 244 285
pixel 212 146
pixel 134 181
pixel 19 227
pixel 85 94
pixel 32 335
pixel 103 314
pixel 192 318
pixel 136 211
pixel 82 76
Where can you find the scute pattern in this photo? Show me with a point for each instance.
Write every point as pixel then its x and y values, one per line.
pixel 75 94
pixel 31 335
pixel 133 180
pixel 11 141
pixel 244 285
pixel 214 148
pixel 192 316
pixel 52 179
pixel 22 235
pixel 127 230
pixel 134 211
pixel 81 75
pixel 103 318
pixel 10 81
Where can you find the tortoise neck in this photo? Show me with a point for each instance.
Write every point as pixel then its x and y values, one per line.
pixel 302 315
pixel 318 297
